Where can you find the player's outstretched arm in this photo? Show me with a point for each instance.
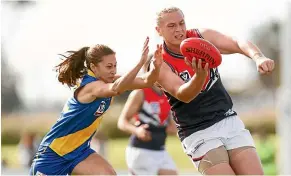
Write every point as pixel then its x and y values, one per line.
pixel 174 85
pixel 121 84
pixel 151 76
pixel 230 45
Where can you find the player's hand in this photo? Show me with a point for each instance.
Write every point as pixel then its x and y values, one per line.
pixel 265 65
pixel 145 51
pixel 142 133
pixel 197 66
pixel 158 58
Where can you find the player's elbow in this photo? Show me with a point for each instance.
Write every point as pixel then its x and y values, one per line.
pixel 120 124
pixel 185 100
pixel 114 89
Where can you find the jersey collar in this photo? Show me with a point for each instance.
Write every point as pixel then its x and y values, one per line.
pixel 172 53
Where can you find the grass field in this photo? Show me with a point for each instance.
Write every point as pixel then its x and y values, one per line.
pixel 116 154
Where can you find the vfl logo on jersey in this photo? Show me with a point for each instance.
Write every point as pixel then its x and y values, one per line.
pixel 213 76
pixel 185 76
pixel 101 109
pixel 155 106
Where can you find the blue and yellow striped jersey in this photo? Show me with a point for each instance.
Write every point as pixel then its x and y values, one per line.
pixel 77 124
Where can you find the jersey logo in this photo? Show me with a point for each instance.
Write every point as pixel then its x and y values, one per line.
pixel 155 107
pixel 100 109
pixel 39 174
pixel 229 113
pixel 213 76
pixel 185 76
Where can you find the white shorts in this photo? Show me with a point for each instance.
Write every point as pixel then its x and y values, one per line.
pixel 147 162
pixel 229 132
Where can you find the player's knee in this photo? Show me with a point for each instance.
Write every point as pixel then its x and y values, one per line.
pixel 167 172
pixel 213 158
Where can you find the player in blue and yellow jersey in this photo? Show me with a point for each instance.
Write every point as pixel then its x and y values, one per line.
pixel 66 147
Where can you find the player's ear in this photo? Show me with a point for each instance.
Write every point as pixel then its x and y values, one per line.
pixel 158 30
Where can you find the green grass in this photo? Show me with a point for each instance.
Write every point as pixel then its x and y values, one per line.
pixel 116 154
pixel 9 153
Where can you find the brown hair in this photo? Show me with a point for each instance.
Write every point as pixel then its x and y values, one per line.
pixel 73 66
pixel 166 10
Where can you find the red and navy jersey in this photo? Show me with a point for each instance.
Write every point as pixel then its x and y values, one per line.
pixel 155 112
pixel 210 106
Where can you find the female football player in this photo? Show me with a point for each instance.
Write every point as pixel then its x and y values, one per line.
pixel 212 134
pixel 66 147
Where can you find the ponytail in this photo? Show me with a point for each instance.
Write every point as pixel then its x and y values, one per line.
pixel 73 67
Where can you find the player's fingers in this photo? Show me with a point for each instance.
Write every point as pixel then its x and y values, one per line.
pixel 161 47
pixel 264 66
pixel 145 126
pixel 194 63
pixel 187 61
pixel 145 50
pixel 270 66
pixel 145 45
pixel 206 66
pixel 146 42
pixel 261 71
pixel 199 66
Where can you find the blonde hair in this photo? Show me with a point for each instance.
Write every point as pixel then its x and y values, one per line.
pixel 166 10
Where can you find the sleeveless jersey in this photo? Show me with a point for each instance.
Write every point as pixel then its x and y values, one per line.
pixel 73 131
pixel 210 106
pixel 155 112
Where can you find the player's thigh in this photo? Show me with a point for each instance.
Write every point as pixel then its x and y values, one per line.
pixel 241 149
pixel 210 157
pixel 94 164
pixel 245 161
pixel 215 162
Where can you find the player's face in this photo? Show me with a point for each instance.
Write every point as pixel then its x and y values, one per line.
pixel 106 69
pixel 172 28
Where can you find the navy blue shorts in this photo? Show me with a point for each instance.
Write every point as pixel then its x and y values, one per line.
pixel 47 162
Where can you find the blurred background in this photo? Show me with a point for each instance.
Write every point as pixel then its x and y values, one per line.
pixel 34 32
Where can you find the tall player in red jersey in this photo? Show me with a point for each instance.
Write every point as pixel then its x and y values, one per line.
pixel 146 154
pixel 212 134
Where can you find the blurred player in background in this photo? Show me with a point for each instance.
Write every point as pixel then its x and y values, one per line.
pixel 27 147
pixel 99 143
pixel 66 147
pixel 146 154
pixel 212 134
